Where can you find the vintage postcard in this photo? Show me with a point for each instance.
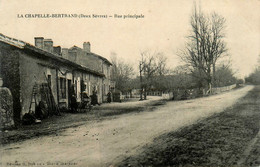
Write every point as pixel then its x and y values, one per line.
pixel 129 83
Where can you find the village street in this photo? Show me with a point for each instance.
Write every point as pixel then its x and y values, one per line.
pixel 107 142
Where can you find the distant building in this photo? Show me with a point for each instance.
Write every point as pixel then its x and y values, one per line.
pixel 95 62
pixel 23 66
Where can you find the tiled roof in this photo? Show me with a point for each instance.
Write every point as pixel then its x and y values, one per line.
pixel 23 45
pixel 91 53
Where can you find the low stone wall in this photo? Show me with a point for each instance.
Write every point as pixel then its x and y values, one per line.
pixel 167 96
pixel 6 108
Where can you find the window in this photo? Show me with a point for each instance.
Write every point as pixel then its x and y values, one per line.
pixel 63 88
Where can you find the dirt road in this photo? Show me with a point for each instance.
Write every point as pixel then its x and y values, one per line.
pixel 104 143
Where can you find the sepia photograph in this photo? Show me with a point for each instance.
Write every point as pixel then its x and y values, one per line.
pixel 133 83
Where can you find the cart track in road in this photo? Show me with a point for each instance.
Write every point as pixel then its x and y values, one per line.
pixel 106 142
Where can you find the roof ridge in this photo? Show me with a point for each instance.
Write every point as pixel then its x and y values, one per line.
pixel 12 41
pixel 24 45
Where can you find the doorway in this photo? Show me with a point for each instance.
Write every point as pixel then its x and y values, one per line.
pixel 70 92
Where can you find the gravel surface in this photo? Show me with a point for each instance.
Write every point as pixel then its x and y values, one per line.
pixel 230 138
pixel 56 124
pixel 107 142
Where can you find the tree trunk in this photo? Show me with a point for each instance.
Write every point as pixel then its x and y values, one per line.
pixel 141 94
pixel 210 88
pixel 213 75
pixel 141 83
pixel 209 80
pixel 145 91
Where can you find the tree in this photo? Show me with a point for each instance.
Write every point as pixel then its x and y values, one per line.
pixel 254 78
pixel 121 73
pixel 183 77
pixel 152 64
pixel 224 76
pixel 205 45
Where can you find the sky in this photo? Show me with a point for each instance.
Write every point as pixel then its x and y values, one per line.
pixel 163 28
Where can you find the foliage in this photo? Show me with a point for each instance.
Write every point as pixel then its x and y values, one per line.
pixel 224 76
pixel 254 78
pixel 122 73
pixel 152 66
pixel 9 69
pixel 182 78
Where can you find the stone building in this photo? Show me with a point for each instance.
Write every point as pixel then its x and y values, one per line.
pixel 95 62
pixel 23 66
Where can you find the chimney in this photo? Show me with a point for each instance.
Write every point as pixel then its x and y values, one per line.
pixel 38 42
pixel 57 50
pixel 65 53
pixel 86 46
pixel 48 45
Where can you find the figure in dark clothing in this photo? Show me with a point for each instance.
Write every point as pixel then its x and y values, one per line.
pixel 86 99
pixel 94 100
pixel 109 97
pixel 41 111
pixel 73 104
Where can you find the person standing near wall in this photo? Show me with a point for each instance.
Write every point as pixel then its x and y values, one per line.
pixel 94 99
pixel 109 97
pixel 73 100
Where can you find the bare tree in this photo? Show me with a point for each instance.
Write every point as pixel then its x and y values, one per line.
pixel 152 64
pixel 162 65
pixel 205 45
pixel 121 73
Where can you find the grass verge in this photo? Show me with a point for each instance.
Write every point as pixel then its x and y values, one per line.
pixel 220 140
